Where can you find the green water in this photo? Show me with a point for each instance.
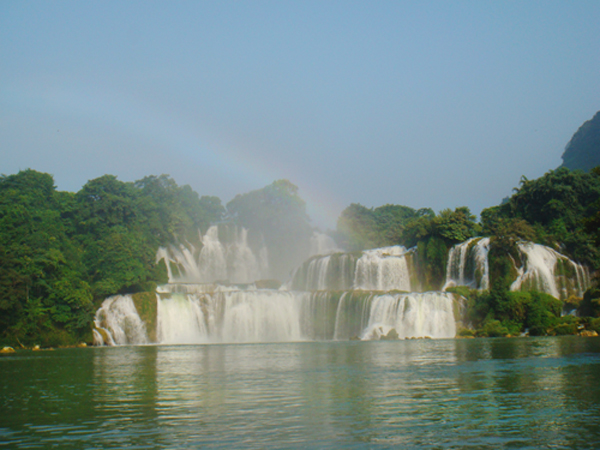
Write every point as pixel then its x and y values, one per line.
pixel 484 393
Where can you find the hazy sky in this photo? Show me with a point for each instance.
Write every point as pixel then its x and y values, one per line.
pixel 421 103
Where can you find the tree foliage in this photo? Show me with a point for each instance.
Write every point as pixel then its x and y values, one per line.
pixel 360 228
pixel 62 253
pixel 557 210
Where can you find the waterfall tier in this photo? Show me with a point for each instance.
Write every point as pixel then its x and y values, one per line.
pixel 117 322
pixel 538 268
pixel 546 270
pixel 380 269
pixel 229 259
pixel 468 264
pixel 225 254
pixel 282 316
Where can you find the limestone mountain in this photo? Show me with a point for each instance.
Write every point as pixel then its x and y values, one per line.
pixel 583 150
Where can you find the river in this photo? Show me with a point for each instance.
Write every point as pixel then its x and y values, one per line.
pixel 411 394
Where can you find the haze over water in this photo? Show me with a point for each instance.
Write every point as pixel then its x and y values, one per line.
pixel 420 394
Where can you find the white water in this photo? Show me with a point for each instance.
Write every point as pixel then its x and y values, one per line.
pixel 180 320
pixel 413 315
pixel 282 316
pixel 341 296
pixel 539 271
pixel 334 271
pixel 119 320
pixel 475 251
pixel 382 269
pixel 234 262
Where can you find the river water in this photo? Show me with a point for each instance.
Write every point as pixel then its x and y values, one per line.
pixel 416 394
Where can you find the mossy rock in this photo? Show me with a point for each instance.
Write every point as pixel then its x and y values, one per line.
pixel 392 335
pixel 145 304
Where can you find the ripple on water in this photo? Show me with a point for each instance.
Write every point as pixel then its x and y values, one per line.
pixel 518 393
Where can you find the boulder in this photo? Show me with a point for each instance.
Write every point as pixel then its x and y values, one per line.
pixel 391 335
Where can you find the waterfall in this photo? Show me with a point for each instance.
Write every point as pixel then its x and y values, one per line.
pixel 263 315
pixel 382 269
pixel 468 264
pixel 541 268
pixel 181 320
pixel 332 296
pixel 215 260
pixel 546 270
pixel 409 315
pixel 334 272
pixel 117 322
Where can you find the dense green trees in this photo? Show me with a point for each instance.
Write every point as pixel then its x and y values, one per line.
pixel 42 290
pixel 499 312
pixel 62 253
pixel 556 209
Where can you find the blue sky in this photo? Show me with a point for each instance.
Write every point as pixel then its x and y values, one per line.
pixel 426 104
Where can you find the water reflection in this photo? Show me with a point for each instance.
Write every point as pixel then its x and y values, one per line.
pixel 410 394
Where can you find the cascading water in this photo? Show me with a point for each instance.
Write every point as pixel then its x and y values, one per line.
pixel 468 264
pixel 235 261
pixel 381 269
pixel 234 316
pixel 330 272
pixel 540 268
pixel 117 322
pixel 546 270
pixel 330 296
pixel 412 315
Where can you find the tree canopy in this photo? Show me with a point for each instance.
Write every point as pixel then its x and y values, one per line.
pixel 554 210
pixel 62 253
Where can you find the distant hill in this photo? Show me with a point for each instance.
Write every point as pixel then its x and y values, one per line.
pixel 583 150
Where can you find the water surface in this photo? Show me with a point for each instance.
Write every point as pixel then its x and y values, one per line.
pixel 421 394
